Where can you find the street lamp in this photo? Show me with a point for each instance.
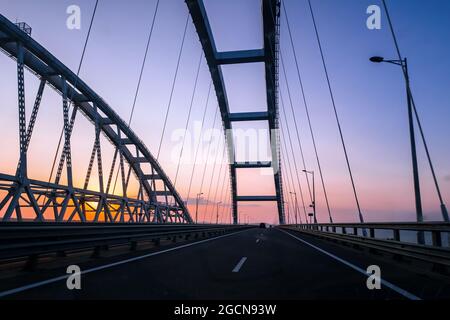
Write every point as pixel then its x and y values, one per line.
pixel 404 64
pixel 239 217
pixel 296 207
pixel 288 213
pixel 377 59
pixel 217 213
pixel 196 206
pixel 313 204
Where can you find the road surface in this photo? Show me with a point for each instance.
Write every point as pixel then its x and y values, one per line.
pixel 252 264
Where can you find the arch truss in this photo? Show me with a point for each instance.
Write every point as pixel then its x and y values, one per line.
pixel 156 200
pixel 267 55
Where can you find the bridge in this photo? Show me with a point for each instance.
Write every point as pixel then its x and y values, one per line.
pixel 134 229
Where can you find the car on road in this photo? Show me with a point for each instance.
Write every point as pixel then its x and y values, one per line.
pixel 262 225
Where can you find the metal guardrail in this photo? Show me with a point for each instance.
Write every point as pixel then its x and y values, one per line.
pixel 434 229
pixel 398 239
pixel 32 239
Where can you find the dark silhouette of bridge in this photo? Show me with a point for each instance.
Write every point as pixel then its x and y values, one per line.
pixel 302 260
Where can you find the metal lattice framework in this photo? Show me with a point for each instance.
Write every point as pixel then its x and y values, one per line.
pixel 157 201
pixel 267 55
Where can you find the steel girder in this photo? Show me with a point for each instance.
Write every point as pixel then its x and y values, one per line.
pixel 22 192
pixel 269 56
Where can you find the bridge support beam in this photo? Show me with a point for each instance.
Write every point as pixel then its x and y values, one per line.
pixel 267 55
pixel 244 56
pixel 249 116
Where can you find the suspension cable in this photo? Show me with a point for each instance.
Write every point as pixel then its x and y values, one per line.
pixel 209 149
pixel 217 183
pixel 173 87
pixel 198 143
pixel 296 127
pixel 283 150
pixel 360 215
pixel 76 80
pixel 75 84
pixel 188 118
pixel 213 174
pixel 300 189
pixel 308 114
pixel 284 144
pixel 291 185
pixel 222 197
pixel 143 62
pixel 141 73
pixel 422 134
pixel 226 177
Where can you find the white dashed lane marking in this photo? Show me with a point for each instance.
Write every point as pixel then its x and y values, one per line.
pixel 240 264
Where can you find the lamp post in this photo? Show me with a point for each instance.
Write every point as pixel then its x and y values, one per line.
pixel 313 204
pixel 217 213
pixel 196 206
pixel 239 216
pixel 296 207
pixel 288 213
pixel 404 64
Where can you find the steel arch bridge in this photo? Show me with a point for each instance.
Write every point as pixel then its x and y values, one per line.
pixel 157 200
pixel 64 202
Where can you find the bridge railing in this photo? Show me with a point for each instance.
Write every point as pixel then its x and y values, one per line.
pixel 426 242
pixel 29 240
pixel 435 233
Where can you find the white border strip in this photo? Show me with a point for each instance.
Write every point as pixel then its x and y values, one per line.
pixel 107 266
pixel 351 265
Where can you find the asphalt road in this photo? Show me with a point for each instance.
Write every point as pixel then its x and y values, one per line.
pixel 253 264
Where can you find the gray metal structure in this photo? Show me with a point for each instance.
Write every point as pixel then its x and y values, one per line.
pixel 267 55
pixel 156 201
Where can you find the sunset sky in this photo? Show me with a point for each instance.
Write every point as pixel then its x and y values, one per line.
pixel 370 98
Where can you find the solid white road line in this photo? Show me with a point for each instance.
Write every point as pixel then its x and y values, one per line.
pixel 360 270
pixel 107 266
pixel 240 264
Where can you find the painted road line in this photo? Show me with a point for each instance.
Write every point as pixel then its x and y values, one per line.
pixel 354 267
pixel 110 265
pixel 239 265
pixel 257 240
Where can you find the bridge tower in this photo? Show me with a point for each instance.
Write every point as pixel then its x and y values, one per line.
pixel 267 55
